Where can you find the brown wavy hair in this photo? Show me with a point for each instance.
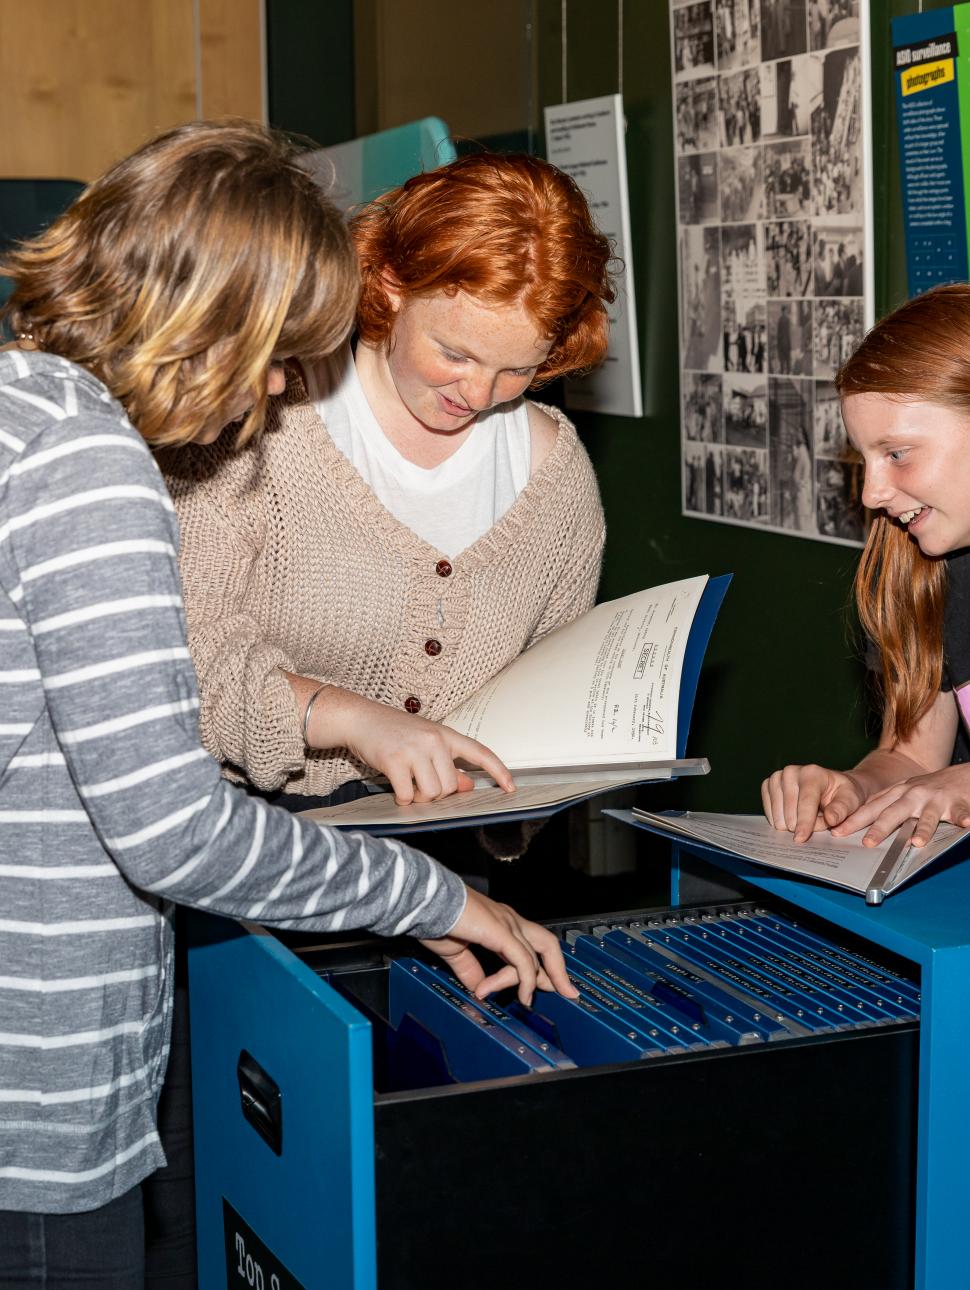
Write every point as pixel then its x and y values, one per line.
pixel 921 351
pixel 179 274
pixel 501 227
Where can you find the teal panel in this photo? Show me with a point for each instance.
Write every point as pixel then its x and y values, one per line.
pixel 365 168
pixel 392 156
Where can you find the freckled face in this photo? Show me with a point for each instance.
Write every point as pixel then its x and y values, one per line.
pixel 451 357
pixel 917 461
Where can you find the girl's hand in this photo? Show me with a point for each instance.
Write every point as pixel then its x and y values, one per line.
pixel 806 799
pixel 531 952
pixel 417 756
pixel 942 795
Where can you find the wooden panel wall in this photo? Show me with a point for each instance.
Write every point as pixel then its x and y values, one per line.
pixel 470 64
pixel 232 58
pixel 86 81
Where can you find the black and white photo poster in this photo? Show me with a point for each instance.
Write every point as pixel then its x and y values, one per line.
pixel 771 110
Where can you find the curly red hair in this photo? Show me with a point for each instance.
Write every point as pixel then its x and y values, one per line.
pixel 501 227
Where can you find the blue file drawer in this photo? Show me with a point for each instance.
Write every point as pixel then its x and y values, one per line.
pixel 788 1163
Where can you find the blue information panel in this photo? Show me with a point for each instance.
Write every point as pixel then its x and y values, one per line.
pixel 932 74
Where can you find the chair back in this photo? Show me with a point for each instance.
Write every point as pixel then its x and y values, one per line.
pixel 26 207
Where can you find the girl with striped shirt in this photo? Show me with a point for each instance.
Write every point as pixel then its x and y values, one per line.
pixel 154 311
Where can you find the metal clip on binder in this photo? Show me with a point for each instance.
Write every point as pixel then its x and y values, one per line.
pixel 883 879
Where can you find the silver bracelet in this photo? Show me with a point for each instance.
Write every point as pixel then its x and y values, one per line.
pixel 306 711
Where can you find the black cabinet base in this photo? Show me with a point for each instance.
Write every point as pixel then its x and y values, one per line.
pixel 771 1168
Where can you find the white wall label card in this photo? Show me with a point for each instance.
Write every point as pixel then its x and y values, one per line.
pixel 585 139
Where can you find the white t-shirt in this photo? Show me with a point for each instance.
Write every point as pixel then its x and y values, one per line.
pixel 450 505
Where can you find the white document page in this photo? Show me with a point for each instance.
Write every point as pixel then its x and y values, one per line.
pixel 842 861
pixel 605 688
pixel 483 799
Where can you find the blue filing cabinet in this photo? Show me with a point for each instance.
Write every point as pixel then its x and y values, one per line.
pixel 927 923
pixel 249 993
pixel 744 1164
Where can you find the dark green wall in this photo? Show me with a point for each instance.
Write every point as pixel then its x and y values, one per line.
pixel 782 681
pixel 310 68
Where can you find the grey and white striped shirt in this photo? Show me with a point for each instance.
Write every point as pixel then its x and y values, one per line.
pixel 109 807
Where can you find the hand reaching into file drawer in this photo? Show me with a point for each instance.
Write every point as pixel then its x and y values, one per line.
pixel 532 954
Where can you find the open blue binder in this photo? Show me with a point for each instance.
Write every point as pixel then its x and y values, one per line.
pixel 697 641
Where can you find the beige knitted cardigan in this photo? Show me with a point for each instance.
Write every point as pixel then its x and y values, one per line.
pixel 290 561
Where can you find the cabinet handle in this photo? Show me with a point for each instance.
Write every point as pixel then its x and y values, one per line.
pixel 261 1101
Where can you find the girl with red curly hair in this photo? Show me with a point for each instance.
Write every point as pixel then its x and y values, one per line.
pixel 906 406
pixel 410 522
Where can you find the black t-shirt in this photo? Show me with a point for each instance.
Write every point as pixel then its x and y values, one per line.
pixel 956 621
pixel 956 639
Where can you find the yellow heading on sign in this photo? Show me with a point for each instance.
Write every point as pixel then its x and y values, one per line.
pixel 915 79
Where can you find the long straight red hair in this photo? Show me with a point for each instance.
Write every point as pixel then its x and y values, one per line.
pixel 921 351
